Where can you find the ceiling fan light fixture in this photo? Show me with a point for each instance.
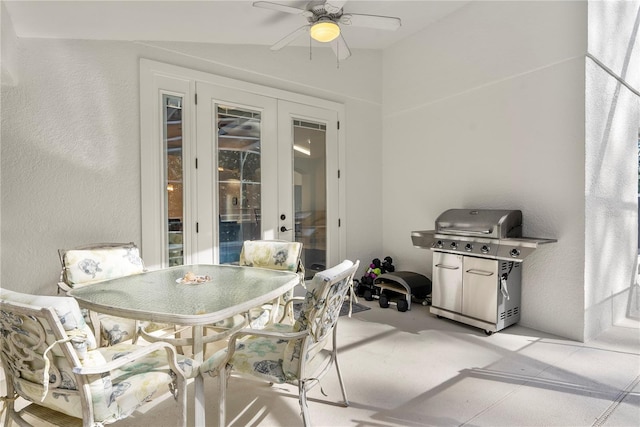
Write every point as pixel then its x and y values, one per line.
pixel 325 31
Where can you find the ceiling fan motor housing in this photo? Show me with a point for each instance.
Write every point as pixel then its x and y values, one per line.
pixel 320 12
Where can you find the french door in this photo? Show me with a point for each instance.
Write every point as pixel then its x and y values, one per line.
pixel 236 173
pixel 308 181
pixel 221 165
pixel 262 174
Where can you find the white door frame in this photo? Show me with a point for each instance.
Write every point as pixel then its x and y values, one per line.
pixel 155 74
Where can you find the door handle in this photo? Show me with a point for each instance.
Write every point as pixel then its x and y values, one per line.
pixel 480 272
pixel 447 267
pixel 283 229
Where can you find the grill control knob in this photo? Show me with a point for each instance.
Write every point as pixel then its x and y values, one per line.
pixel 454 245
pixel 485 249
pixel 439 243
pixel 468 247
pixel 515 252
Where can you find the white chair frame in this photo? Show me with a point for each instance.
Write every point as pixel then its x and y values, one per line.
pixel 46 319
pixel 324 323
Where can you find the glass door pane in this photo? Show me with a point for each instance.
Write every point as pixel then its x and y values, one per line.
pixel 309 193
pixel 173 145
pixel 309 183
pixel 239 179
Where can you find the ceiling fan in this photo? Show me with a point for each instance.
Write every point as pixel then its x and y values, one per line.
pixel 324 19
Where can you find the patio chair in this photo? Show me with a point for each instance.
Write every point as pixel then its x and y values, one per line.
pixel 50 358
pixel 274 255
pixel 296 354
pixel 96 262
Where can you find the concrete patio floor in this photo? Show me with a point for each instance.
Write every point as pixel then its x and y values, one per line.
pixel 413 369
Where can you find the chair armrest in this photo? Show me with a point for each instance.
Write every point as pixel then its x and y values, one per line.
pixel 301 272
pixel 121 361
pixel 286 307
pixel 63 287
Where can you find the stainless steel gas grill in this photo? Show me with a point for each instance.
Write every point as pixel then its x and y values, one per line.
pixel 477 270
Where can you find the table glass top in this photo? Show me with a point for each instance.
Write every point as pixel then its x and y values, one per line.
pixel 162 295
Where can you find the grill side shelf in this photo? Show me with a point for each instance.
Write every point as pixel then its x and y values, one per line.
pixel 423 239
pixel 510 248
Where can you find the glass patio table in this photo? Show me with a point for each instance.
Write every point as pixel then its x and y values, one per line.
pixel 163 296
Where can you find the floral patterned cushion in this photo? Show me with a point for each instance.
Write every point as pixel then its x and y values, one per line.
pixel 272 254
pixel 66 308
pixel 115 395
pixel 316 298
pixel 84 266
pixel 115 330
pixel 110 261
pixel 255 355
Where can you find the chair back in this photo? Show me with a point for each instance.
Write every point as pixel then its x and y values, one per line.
pixel 42 339
pixel 271 254
pixel 274 255
pixel 96 262
pixel 319 314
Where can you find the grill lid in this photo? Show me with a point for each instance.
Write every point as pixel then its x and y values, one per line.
pixel 490 223
pixel 485 233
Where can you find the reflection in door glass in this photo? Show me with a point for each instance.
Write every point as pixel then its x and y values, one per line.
pixel 172 131
pixel 310 196
pixel 238 179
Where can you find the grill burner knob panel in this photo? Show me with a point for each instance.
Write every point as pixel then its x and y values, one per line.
pixel 439 244
pixel 485 249
pixel 468 247
pixel 514 253
pixel 454 245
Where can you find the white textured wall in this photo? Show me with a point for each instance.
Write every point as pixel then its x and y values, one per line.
pixel 499 84
pixel 8 47
pixel 612 124
pixel 486 109
pixel 70 141
pixel 70 162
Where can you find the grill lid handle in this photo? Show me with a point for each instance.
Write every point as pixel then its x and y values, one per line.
pixel 464 232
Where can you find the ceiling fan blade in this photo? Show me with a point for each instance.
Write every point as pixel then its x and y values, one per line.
pixel 290 37
pixel 371 21
pixel 334 6
pixel 340 48
pixel 282 8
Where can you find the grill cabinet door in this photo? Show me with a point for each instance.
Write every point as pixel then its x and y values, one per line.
pixel 447 281
pixel 480 293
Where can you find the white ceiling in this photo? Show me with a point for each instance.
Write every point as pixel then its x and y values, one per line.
pixel 217 21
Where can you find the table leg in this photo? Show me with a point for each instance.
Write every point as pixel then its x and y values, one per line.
pixel 198 356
